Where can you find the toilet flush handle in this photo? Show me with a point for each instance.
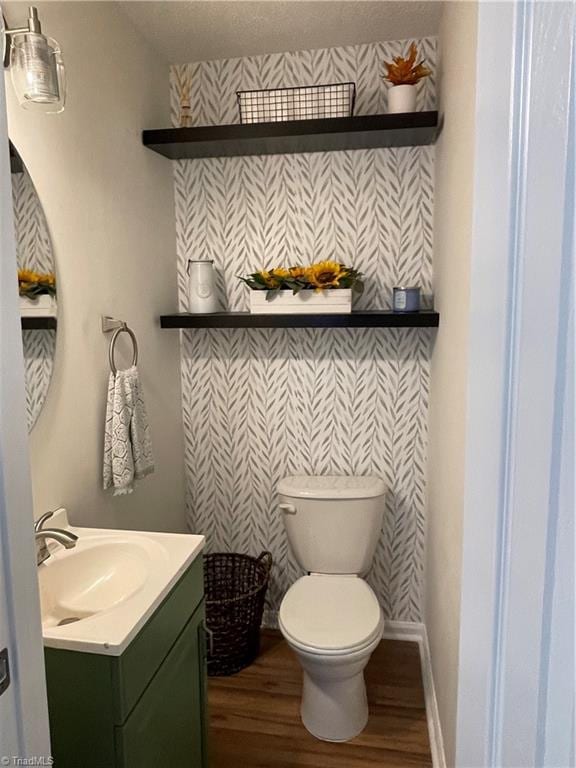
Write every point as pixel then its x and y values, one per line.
pixel 288 509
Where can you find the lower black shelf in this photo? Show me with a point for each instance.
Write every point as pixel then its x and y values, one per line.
pixel 368 319
pixel 38 323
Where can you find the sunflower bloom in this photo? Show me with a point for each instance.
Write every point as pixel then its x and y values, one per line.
pixel 28 276
pixel 325 274
pixel 297 272
pixel 317 277
pixel 33 284
pixel 269 278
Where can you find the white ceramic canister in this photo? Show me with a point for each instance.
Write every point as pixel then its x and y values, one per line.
pixel 202 298
pixel 402 98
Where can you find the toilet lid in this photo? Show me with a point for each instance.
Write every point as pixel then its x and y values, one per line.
pixel 331 613
pixel 332 487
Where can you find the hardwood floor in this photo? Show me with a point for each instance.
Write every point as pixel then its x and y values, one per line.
pixel 255 719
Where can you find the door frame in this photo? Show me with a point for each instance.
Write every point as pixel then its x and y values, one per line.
pixel 519 428
pixel 18 555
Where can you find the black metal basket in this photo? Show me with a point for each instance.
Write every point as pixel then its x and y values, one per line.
pixel 309 102
pixel 235 587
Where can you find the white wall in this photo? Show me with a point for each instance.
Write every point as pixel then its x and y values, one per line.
pixel 109 206
pixel 452 239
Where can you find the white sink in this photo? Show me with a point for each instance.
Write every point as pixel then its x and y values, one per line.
pixel 95 597
pixel 98 574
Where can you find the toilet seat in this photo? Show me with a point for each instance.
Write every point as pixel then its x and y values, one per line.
pixel 331 615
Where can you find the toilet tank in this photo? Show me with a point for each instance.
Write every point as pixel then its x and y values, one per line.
pixel 333 522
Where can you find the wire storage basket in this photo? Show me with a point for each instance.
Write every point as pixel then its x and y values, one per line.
pixel 310 102
pixel 235 586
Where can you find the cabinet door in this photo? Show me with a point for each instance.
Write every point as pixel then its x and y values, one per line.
pixel 166 727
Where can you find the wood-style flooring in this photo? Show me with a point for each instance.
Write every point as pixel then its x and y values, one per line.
pixel 255 719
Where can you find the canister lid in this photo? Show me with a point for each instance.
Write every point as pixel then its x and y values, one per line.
pixel 332 487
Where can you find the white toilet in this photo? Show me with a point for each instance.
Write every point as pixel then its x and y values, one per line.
pixel 332 619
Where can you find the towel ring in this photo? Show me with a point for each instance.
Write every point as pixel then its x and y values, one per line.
pixel 112 349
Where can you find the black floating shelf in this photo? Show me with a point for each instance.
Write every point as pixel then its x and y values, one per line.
pixel 369 319
pixel 327 134
pixel 16 164
pixel 39 323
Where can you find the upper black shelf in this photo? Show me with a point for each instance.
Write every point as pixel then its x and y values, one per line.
pixel 327 134
pixel 45 322
pixel 368 319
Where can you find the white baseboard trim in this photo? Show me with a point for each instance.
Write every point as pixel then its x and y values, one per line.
pixel 412 631
pixel 415 632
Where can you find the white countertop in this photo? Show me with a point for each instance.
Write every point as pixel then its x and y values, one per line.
pixel 141 567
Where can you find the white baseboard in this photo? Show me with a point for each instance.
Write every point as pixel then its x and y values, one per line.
pixel 416 633
pixel 404 630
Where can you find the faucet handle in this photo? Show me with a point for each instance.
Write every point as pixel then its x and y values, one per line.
pixel 39 524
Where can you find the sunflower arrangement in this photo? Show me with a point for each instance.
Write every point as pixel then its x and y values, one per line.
pixel 33 284
pixel 405 71
pixel 324 275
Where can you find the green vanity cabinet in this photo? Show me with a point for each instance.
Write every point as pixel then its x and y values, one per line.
pixel 145 708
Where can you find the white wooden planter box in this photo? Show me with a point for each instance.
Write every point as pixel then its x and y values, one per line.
pixel 331 301
pixel 43 306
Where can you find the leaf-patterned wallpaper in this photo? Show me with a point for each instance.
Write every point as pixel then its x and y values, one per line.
pixel 261 404
pixel 33 251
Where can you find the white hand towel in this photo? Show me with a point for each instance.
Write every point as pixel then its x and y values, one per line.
pixel 127 445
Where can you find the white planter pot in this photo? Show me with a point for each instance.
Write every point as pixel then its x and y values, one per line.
pixel 402 98
pixel 43 306
pixel 331 301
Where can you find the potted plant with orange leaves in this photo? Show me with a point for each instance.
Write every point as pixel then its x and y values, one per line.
pixel 404 74
pixel 323 287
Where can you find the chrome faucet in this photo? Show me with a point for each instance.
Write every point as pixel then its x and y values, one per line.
pixel 66 538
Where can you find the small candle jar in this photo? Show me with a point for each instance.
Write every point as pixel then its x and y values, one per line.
pixel 406 299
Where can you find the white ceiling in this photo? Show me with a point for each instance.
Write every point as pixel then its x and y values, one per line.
pixel 196 31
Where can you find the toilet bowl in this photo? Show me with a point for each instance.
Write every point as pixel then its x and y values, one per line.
pixel 332 623
pixel 331 618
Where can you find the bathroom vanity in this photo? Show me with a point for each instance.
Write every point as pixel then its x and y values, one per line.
pixel 125 650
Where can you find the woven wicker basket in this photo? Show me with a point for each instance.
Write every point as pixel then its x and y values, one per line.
pixel 235 587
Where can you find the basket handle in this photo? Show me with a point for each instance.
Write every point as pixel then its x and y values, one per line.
pixel 208 637
pixel 266 559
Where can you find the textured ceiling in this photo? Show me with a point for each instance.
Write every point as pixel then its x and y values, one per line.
pixel 197 31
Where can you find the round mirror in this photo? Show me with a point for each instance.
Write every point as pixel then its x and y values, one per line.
pixel 37 287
